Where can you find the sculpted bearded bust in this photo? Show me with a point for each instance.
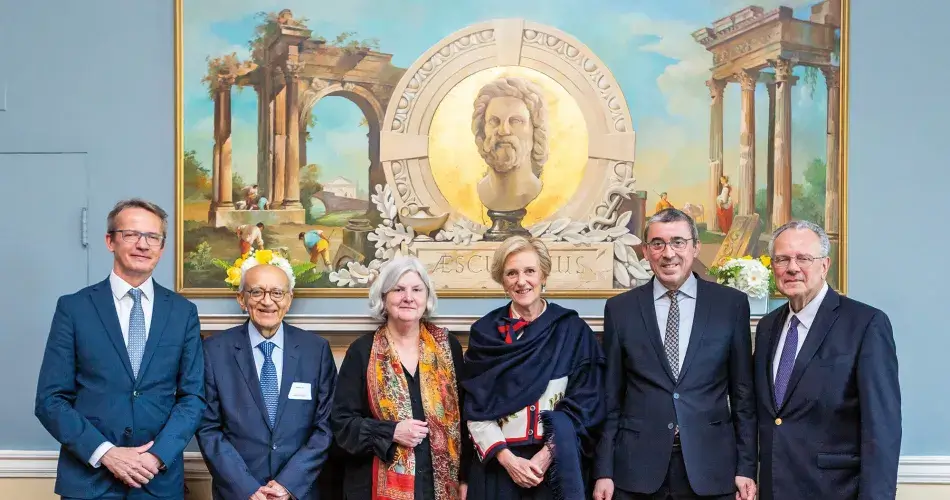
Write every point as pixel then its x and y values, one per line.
pixel 510 123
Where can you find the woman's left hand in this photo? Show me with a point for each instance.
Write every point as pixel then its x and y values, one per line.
pixel 463 491
pixel 542 459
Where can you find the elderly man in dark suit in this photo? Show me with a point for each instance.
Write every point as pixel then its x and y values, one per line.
pixel 681 407
pixel 266 434
pixel 829 400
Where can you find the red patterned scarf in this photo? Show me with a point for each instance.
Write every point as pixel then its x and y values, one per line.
pixel 389 400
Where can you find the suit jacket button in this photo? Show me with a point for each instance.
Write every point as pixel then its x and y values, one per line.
pixel 676 395
pixel 778 421
pixel 128 431
pixel 670 426
pixel 135 394
pixel 274 447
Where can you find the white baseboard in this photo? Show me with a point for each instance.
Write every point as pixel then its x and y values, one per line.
pixel 42 464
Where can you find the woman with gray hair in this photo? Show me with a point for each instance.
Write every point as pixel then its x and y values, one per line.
pixel 397 408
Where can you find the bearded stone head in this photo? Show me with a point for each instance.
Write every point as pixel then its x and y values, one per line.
pixel 510 123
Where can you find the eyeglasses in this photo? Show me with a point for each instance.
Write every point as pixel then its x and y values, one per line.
pixel 782 261
pixel 258 294
pixel 132 236
pixel 659 245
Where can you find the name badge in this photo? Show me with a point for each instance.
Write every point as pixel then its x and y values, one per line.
pixel 300 390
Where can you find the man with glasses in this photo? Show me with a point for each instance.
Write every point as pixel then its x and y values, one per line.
pixel 265 433
pixel 681 408
pixel 829 401
pixel 121 386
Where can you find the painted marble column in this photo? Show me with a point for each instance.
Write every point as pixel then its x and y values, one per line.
pixel 832 175
pixel 782 206
pixel 280 138
pixel 215 155
pixel 716 91
pixel 770 159
pixel 747 81
pixel 223 126
pixel 292 156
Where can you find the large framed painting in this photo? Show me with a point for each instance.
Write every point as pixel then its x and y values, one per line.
pixel 342 135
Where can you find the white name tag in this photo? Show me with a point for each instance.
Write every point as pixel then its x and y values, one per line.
pixel 299 390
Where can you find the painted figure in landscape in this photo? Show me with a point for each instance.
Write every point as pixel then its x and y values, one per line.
pixel 322 134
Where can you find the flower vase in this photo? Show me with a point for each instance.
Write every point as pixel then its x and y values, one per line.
pixel 758 306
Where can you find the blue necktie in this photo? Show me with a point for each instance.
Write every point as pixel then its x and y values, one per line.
pixel 136 331
pixel 787 362
pixel 269 380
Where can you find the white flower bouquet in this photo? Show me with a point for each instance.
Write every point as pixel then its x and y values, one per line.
pixel 749 275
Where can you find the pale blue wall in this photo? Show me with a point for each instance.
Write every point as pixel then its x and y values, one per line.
pixel 96 77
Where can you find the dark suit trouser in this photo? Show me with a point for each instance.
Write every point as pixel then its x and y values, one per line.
pixel 675 486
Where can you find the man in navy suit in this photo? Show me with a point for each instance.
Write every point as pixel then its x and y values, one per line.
pixel 829 400
pixel 121 384
pixel 681 407
pixel 265 433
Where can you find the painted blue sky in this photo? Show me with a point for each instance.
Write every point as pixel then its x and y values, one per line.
pixel 647 44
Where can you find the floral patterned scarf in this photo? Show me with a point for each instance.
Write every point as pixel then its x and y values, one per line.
pixel 389 400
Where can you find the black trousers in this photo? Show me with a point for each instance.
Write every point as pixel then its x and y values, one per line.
pixel 675 486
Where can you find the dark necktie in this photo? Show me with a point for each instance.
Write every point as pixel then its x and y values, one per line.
pixel 787 362
pixel 672 340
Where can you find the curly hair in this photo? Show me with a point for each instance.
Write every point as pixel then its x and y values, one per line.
pixel 533 98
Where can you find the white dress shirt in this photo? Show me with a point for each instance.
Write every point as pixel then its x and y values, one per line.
pixel 277 355
pixel 686 299
pixel 806 317
pixel 123 306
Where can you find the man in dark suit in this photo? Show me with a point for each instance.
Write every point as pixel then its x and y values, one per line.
pixel 829 401
pixel 681 408
pixel 121 384
pixel 265 433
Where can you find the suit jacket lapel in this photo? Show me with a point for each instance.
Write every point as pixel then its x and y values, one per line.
pixel 105 307
pixel 826 317
pixel 700 315
pixel 648 313
pixel 245 361
pixel 289 372
pixel 160 311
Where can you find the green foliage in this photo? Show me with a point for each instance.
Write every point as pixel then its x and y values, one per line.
pixel 309 186
pixel 196 180
pixel 220 264
pixel 808 199
pixel 237 187
pixel 338 219
pixel 200 258
pixel 306 273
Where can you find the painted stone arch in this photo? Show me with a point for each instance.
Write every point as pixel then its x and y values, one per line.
pixel 501 43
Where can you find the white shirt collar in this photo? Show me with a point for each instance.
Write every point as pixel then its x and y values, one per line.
pixel 807 315
pixel 688 289
pixel 120 288
pixel 257 338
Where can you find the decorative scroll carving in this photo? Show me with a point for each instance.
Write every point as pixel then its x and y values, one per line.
pixel 747 79
pixel 404 184
pixel 783 69
pixel 573 55
pixel 716 88
pixel 742 47
pixel 832 76
pixel 445 54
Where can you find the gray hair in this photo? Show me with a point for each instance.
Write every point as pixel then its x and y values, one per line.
pixel 803 225
pixel 136 203
pixel 533 97
pixel 668 215
pixel 389 275
pixel 243 285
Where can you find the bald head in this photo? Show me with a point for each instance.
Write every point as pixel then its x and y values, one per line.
pixel 266 296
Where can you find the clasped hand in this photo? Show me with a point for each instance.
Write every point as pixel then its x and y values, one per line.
pixel 526 473
pixel 133 466
pixel 271 491
pixel 411 432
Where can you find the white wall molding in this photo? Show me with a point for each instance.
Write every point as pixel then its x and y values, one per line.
pixel 42 464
